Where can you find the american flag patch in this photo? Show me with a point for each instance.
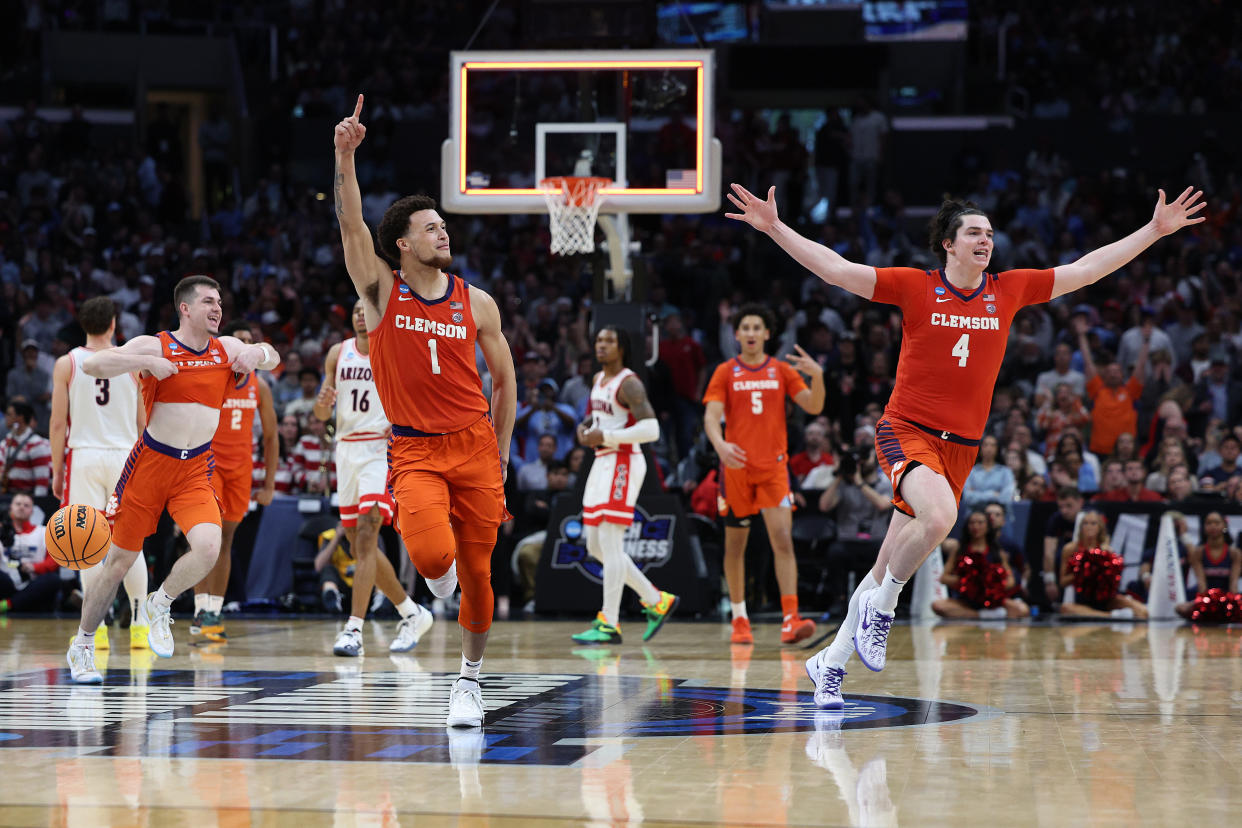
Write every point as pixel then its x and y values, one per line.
pixel 455 306
pixel 679 180
pixel 989 297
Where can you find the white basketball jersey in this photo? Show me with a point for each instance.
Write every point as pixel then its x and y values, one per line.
pixel 607 413
pixel 103 413
pixel 359 414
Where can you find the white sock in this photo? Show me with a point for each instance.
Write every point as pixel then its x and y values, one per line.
pixel 201 600
pixel 611 539
pixel 407 608
pixel 354 623
pixel 136 583
pixel 85 639
pixel 162 598
pixel 885 599
pixel 470 669
pixel 739 609
pixel 215 604
pixel 446 584
pixel 842 647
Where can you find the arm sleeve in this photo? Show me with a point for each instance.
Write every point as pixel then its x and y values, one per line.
pixel 794 383
pixel 1033 286
pixel 643 431
pixel 716 387
pixel 901 286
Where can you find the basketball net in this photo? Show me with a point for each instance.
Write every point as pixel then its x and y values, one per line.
pixel 572 210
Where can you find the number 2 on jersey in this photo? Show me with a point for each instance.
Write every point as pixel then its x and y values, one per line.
pixel 435 359
pixel 962 350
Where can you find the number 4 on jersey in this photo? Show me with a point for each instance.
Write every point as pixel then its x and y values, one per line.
pixel 962 350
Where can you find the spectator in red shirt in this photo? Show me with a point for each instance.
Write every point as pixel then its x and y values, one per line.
pixel 1134 490
pixel 816 453
pixel 688 369
pixel 25 457
pixel 1064 410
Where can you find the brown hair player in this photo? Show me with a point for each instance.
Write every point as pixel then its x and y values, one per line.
pixel 186 374
pixel 232 478
pixel 362 487
pixel 955 323
pixel 447 456
pixel 98 421
pixel 748 392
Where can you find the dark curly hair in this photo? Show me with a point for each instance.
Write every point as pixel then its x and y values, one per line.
pixel 624 343
pixel 754 309
pixel 946 223
pixel 396 222
pixel 96 315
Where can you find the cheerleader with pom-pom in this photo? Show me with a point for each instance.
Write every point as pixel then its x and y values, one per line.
pixel 980 572
pixel 1217 564
pixel 1090 566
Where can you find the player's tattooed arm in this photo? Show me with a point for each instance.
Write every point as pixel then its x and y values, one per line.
pixel 633 396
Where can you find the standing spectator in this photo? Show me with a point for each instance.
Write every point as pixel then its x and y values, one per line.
pixel 286 470
pixel 989 480
pixel 25 456
pixel 30 578
pixel 1113 412
pixel 30 381
pixel 867 133
pixel 815 454
pixel 314 460
pixel 1217 397
pixel 1060 372
pixel 1213 479
pixel 304 404
pixel 688 368
pixel 1063 411
pixel 577 389
pixel 541 416
pixel 533 475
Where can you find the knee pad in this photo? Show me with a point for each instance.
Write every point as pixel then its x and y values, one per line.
pixel 429 541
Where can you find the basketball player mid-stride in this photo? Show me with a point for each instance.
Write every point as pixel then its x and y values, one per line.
pixel 362 488
pixel 955 323
pixel 99 420
pixel 447 456
pixel 186 374
pixel 621 420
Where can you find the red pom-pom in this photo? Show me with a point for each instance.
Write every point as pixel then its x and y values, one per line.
pixel 981 583
pixel 1097 575
pixel 1217 607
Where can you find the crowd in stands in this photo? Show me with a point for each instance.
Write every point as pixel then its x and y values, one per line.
pixel 1127 390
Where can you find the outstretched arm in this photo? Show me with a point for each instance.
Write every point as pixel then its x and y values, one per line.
pixel 1084 347
pixel 1168 218
pixel 824 262
pixel 371 276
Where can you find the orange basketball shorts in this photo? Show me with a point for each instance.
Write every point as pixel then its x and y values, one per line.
pixel 745 492
pixel 902 445
pixel 232 481
pixel 158 477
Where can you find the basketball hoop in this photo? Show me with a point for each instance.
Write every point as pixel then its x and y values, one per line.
pixel 572 210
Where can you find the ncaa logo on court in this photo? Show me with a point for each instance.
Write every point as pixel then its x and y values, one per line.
pixel 648 541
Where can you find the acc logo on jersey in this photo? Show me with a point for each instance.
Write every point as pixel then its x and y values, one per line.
pixel 940 291
pixel 457 317
pixel 990 308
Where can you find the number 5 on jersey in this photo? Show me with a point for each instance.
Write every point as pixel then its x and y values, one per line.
pixel 962 350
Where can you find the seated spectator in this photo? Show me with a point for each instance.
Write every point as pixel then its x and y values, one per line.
pixel 531 527
pixel 533 476
pixel 313 459
pixel 1228 448
pixel 1180 485
pixel 1036 489
pixel 577 389
pixel 859 498
pixel 1063 411
pixel 989 480
pixel 288 387
pixel 1016 462
pixel 1126 447
pixel 25 457
pixel 981 544
pixel 1057 533
pixel 1216 396
pixel 815 454
pixel 308 384
pixel 290 433
pixel 1113 477
pixel 542 415
pixel 1070 441
pixel 1060 372
pixel 1092 533
pixel 1078 473
pixel 998 516
pixel 30 581
pixel 574 460
pixel 1172 453
pixel 1113 397
pixel 1132 488
pixel 1216 563
pixel 30 381
pixel 1023 437
pixel 335 564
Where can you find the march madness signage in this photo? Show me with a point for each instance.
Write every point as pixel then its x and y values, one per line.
pixel 569 579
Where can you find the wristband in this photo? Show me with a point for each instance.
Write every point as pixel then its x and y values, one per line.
pixel 1050 578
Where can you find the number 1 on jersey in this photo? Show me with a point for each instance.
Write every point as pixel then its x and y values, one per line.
pixel 962 350
pixel 435 360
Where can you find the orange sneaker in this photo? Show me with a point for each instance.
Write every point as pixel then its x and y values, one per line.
pixel 741 632
pixel 796 629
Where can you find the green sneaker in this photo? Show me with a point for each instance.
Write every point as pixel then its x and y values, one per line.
pixel 599 633
pixel 659 613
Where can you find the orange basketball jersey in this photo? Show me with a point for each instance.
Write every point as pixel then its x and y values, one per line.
pixel 754 406
pixel 952 343
pixel 202 376
pixel 422 358
pixel 234 440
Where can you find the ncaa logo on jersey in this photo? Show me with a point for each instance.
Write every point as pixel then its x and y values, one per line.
pixel 940 291
pixel 349 355
pixel 172 346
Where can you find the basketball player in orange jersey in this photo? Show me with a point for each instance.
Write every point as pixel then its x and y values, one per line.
pixel 749 392
pixel 447 457
pixel 955 323
pixel 99 420
pixel 362 487
pixel 186 376
pixel 621 420
pixel 232 479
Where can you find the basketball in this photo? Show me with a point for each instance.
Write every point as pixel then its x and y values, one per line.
pixel 78 536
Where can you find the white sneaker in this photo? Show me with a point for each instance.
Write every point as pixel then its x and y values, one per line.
pixel 446 584
pixel 348 643
pixel 82 664
pixel 827 681
pixel 410 630
pixel 993 614
pixel 1123 613
pixel 465 704
pixel 159 626
pixel 871 635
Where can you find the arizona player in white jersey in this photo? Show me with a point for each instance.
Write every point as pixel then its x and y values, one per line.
pixel 621 419
pixel 362 488
pixel 99 420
